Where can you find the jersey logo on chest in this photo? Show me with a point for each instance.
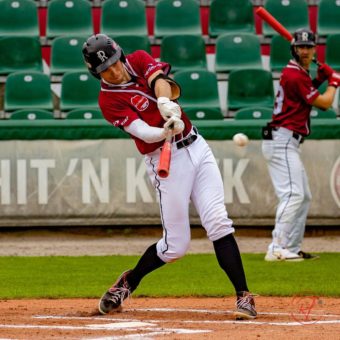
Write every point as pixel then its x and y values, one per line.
pixel 141 103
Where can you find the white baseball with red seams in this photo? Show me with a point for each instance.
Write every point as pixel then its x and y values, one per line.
pixel 240 139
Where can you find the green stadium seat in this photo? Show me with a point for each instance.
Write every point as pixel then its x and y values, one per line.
pixel 291 14
pixel 31 114
pixel 66 55
pixel 321 114
pixel 199 89
pixel 254 113
pixel 328 20
pixel 131 43
pixel 19 18
pixel 85 114
pixel 248 88
pixel 237 51
pixel 184 52
pixel 279 53
pixel 20 54
pixel 173 17
pixel 332 52
pixel 230 16
pixel 69 18
pixel 25 90
pixel 123 17
pixel 204 114
pixel 79 90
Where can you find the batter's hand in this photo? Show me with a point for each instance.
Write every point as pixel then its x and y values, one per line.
pixel 324 72
pixel 168 108
pixel 334 80
pixel 175 125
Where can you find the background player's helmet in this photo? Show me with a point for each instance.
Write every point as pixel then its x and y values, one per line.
pixel 302 37
pixel 100 52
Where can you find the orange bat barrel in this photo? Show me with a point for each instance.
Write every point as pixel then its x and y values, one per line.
pixel 164 160
pixel 270 20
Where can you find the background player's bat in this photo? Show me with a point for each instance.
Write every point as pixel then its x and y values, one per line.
pixel 165 157
pixel 277 26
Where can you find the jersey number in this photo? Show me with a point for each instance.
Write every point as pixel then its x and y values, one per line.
pixel 278 101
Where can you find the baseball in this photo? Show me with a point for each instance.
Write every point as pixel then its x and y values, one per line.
pixel 240 139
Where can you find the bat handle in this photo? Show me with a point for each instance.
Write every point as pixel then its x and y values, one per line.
pixel 168 135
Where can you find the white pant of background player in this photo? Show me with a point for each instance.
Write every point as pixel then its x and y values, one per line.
pixel 194 176
pixel 291 186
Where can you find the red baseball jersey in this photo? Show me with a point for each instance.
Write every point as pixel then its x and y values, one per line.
pixel 294 99
pixel 124 103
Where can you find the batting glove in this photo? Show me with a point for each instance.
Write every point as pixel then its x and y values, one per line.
pixel 334 80
pixel 168 108
pixel 324 72
pixel 175 125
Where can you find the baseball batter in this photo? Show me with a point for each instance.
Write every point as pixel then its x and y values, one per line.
pixel 296 95
pixel 138 97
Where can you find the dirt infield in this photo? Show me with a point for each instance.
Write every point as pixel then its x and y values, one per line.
pixel 171 318
pixel 308 317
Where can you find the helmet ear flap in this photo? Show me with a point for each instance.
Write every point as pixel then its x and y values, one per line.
pixel 122 57
pixel 95 74
pixel 293 51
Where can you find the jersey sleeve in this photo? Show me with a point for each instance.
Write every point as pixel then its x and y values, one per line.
pixel 306 89
pixel 147 65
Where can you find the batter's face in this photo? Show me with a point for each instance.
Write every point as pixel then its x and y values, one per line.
pixel 306 54
pixel 116 74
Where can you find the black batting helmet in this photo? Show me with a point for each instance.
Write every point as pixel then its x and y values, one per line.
pixel 302 37
pixel 100 52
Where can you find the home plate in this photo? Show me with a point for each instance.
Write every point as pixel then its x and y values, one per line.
pixel 120 325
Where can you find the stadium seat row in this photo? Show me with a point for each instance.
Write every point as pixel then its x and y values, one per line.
pixel 65 17
pixel 199 96
pixel 183 52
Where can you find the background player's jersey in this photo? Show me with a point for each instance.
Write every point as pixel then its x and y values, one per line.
pixel 294 99
pixel 122 104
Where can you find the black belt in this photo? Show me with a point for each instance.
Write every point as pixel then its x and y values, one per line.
pixel 267 133
pixel 295 135
pixel 189 139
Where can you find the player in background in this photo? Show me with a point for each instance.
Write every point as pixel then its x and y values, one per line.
pixel 296 95
pixel 138 97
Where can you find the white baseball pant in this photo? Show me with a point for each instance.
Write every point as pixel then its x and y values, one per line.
pixel 194 176
pixel 290 182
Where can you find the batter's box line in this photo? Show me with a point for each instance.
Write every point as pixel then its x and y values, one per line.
pixel 244 322
pixel 174 310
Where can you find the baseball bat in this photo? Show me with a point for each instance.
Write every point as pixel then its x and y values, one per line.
pixel 277 26
pixel 163 169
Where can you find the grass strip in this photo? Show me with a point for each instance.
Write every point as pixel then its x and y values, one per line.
pixel 193 275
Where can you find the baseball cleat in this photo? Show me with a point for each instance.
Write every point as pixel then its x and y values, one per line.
pixel 112 300
pixel 245 307
pixel 282 255
pixel 308 256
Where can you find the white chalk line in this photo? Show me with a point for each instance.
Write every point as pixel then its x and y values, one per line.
pixel 291 323
pixel 189 310
pixel 130 326
pixel 150 326
pixel 108 326
pixel 176 310
pixel 145 336
pixel 248 322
